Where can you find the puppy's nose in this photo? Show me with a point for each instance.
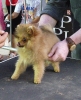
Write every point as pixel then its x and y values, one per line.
pixel 18 44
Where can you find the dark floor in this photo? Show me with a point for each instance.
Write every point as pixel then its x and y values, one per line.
pixel 65 85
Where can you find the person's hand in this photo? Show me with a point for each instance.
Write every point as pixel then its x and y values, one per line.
pixel 7 18
pixel 3 36
pixel 59 51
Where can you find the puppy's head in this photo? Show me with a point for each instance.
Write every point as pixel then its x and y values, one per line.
pixel 24 33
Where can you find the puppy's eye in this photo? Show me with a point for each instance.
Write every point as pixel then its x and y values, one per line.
pixel 24 40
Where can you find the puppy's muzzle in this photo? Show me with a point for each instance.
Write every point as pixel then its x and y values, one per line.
pixel 19 45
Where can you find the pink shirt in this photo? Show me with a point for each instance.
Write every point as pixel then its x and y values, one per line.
pixel 2 23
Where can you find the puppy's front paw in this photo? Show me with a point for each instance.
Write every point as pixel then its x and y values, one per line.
pixel 37 81
pixel 14 77
pixel 57 69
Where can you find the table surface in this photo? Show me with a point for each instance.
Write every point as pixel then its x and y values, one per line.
pixel 65 85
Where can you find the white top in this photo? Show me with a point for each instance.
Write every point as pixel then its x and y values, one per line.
pixel 33 8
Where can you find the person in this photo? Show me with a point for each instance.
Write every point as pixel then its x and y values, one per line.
pixel 3 37
pixel 31 10
pixel 2 23
pixel 14 23
pixel 52 13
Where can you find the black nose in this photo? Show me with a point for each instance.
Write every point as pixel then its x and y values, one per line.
pixel 18 43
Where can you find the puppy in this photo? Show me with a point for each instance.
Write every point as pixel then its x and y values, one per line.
pixel 34 43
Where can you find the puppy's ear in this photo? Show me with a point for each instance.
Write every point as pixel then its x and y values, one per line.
pixel 31 30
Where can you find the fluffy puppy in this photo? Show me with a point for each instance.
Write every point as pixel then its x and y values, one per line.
pixel 34 43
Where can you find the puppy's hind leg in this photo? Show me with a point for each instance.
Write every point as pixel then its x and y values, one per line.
pixel 19 69
pixel 39 69
pixel 56 66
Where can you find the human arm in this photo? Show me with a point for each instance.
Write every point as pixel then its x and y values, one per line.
pixel 16 12
pixel 56 9
pixel 3 36
pixel 60 50
pixel 52 14
pixel 76 37
pixel 46 19
pixel 13 16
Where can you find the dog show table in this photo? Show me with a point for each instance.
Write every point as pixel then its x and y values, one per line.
pixel 65 85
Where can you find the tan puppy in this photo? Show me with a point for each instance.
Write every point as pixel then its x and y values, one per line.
pixel 34 44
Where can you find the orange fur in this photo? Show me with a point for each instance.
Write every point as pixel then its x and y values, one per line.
pixel 34 44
